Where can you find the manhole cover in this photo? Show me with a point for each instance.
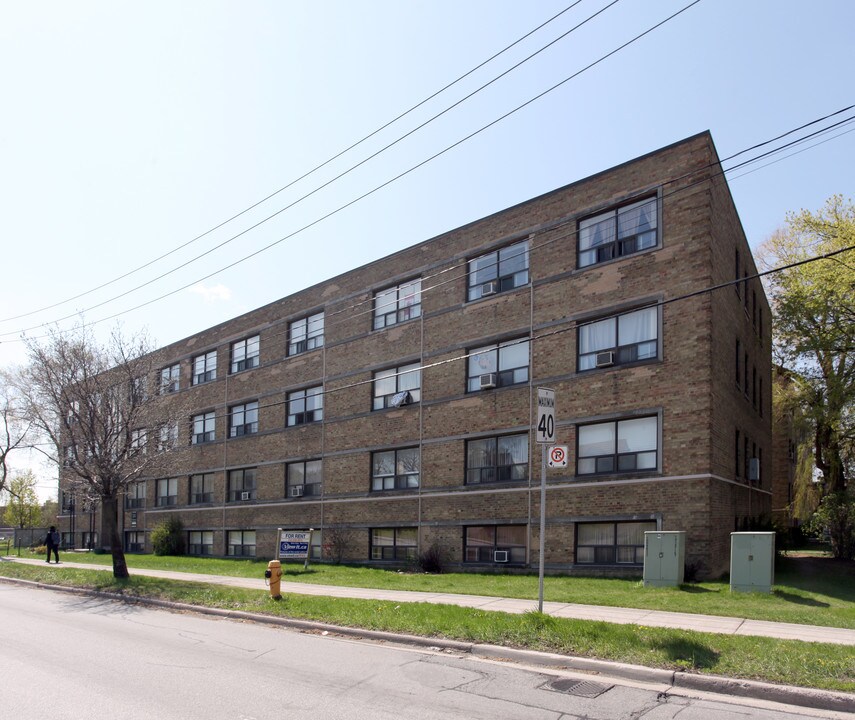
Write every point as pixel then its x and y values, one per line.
pixel 580 688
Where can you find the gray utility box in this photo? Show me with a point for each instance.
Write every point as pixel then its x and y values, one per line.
pixel 752 561
pixel 664 558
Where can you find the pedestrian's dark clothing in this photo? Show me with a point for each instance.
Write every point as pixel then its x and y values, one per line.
pixel 52 543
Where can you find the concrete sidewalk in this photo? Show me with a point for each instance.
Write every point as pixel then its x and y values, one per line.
pixel 624 616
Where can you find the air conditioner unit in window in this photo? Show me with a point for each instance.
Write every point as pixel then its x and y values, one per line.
pixel 605 359
pixel 488 380
pixel 754 469
pixel 297 491
pixel 245 495
pixel 489 288
pixel 500 556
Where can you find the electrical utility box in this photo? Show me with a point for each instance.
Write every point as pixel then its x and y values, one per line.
pixel 752 561
pixel 664 558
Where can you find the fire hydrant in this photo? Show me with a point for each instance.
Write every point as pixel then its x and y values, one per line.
pixel 273 577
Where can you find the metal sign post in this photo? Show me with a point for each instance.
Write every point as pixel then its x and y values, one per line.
pixel 544 434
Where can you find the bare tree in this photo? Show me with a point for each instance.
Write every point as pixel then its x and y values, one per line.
pixel 14 428
pixel 92 402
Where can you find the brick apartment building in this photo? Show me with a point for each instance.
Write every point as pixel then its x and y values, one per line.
pixel 391 407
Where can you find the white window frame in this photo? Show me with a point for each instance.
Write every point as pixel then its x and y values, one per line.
pixel 398 304
pixel 305 334
pixel 245 354
pixel 205 368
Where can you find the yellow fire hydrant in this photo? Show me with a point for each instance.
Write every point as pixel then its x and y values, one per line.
pixel 273 577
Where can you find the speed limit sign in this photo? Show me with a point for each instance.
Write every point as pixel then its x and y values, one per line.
pixel 557 456
pixel 544 431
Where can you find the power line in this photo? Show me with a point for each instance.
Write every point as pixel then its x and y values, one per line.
pixel 366 194
pixel 322 165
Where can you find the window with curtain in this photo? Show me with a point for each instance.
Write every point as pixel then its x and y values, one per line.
pixel 508 360
pixel 631 337
pixel 619 232
pixel 499 271
pixel 482 541
pixel 397 304
pixel 618 446
pixel 497 459
pixel 611 543
pixel 397 386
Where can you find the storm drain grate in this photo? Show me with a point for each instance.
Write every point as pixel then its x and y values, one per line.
pixel 580 688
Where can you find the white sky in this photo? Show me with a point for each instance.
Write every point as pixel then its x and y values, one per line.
pixel 129 129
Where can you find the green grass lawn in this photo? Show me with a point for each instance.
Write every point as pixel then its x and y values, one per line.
pixel 808 591
pixel 790 662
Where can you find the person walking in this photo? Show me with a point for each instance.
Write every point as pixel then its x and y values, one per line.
pixel 52 543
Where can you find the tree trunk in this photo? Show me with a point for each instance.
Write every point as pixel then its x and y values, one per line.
pixel 111 523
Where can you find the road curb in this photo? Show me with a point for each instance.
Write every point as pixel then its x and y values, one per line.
pixel 787 694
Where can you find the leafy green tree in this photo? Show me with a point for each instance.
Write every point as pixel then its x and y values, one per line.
pixel 23 510
pixel 814 338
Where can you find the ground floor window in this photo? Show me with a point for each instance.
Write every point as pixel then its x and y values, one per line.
pixel 611 543
pixel 67 540
pixel 241 543
pixel 90 540
pixel 135 541
pixel 394 543
pixel 494 544
pixel 200 542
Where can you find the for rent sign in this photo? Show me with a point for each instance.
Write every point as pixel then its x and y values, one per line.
pixel 294 544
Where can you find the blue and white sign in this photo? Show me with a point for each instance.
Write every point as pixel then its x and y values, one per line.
pixel 294 544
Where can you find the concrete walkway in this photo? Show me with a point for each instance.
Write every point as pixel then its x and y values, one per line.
pixel 625 616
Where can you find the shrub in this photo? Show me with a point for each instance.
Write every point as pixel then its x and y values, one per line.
pixel 431 559
pixel 168 537
pixel 835 519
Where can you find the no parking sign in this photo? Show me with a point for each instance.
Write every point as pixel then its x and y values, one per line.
pixel 557 457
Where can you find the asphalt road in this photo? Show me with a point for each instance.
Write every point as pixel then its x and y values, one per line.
pixel 67 657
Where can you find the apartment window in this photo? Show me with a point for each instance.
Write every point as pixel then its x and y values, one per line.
pixel 244 419
pixel 200 542
pixel 167 492
pixel 242 485
pixel 738 355
pixel 620 446
pixel 67 540
pixel 170 379
pixel 134 541
pixel 304 478
pixel 754 308
pixel 306 406
pixel 745 374
pixel 745 289
pixel 746 459
pixel 497 459
pixel 397 386
pixel 494 544
pixel 90 540
pixel 736 455
pixel 760 397
pixel 201 488
pixel 138 441
pixel 168 437
pixel 306 334
pixel 241 543
pixel 138 391
pixel 394 544
pixel 498 365
pixel 618 340
pixel 498 271
pixel 754 386
pixel 245 354
pixel 204 428
pixel 397 304
pixel 205 367
pixel 135 496
pixel 395 469
pixel 611 543
pixel 616 233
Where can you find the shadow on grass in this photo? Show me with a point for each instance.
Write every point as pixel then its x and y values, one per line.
pixel 695 589
pixel 799 600
pixel 688 653
pixel 823 575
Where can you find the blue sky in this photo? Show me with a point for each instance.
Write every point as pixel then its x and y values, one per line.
pixel 127 130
